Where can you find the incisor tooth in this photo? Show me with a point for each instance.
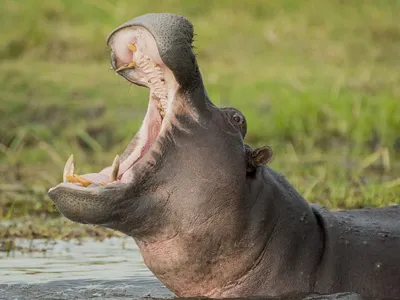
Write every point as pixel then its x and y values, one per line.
pixel 115 169
pixel 132 47
pixel 69 168
pixel 78 179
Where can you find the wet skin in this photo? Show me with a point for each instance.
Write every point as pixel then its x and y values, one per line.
pixel 204 227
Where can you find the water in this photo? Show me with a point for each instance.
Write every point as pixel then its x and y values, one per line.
pixel 112 269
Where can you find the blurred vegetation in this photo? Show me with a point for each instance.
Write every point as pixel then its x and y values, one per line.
pixel 318 80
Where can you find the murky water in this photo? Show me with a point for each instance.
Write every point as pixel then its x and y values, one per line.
pixel 112 269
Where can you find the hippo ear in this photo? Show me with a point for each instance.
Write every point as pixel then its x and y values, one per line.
pixel 262 155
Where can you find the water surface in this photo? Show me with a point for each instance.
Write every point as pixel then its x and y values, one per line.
pixel 88 269
pixel 112 269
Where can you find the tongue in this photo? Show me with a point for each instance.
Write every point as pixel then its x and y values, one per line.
pixel 96 177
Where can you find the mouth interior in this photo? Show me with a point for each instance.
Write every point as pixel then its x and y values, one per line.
pixel 135 57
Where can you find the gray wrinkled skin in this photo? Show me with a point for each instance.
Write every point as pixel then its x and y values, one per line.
pixel 254 157
pixel 204 228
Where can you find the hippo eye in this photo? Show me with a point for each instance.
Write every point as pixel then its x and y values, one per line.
pixel 237 118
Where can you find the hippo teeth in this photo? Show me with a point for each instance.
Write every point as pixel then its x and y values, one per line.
pixel 115 169
pixel 153 75
pixel 71 177
pixel 147 72
pixel 78 179
pixel 161 110
pixel 135 56
pixel 132 64
pixel 69 168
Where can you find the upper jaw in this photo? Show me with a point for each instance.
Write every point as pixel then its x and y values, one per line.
pixel 136 57
pixel 173 38
pixel 154 51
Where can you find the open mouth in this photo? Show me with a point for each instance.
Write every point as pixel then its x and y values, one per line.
pixel 135 57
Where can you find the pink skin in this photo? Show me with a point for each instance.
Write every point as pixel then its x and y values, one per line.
pixel 152 122
pixel 122 52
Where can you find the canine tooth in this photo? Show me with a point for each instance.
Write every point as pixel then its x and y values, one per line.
pixel 115 169
pixel 69 168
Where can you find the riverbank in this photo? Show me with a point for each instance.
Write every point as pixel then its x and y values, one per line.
pixel 317 81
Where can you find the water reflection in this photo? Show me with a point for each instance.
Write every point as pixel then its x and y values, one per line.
pixel 114 258
pixel 111 269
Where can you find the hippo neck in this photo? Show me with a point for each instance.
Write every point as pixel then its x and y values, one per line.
pixel 286 222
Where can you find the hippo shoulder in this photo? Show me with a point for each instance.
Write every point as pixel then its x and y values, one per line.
pixel 360 241
pixel 369 220
pixel 379 219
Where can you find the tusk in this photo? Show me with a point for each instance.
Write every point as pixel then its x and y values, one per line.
pixel 132 64
pixel 115 169
pixel 69 168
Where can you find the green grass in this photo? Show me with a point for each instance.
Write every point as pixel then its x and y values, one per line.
pixel 318 80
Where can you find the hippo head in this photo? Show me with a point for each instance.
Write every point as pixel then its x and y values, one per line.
pixel 186 164
pixel 203 210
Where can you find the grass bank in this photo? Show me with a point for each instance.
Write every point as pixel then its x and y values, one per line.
pixel 318 81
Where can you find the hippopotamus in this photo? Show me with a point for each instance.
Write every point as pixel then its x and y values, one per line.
pixel 203 226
